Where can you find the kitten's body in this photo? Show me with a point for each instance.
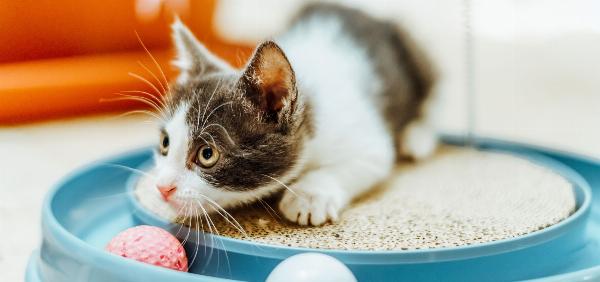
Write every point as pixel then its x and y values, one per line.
pixel 363 89
pixel 331 122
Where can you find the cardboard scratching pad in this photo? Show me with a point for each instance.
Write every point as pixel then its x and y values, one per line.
pixel 458 197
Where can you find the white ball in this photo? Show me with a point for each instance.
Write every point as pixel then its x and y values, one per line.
pixel 311 267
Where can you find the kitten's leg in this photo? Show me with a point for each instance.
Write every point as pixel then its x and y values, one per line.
pixel 418 141
pixel 320 195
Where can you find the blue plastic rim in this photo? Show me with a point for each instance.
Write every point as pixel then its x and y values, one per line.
pixel 89 207
pixel 583 200
pixel 368 262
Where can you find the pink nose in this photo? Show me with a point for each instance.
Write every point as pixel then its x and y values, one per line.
pixel 166 191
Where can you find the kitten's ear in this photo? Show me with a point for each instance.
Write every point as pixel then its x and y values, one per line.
pixel 270 83
pixel 193 58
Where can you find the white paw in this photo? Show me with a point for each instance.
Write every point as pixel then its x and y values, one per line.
pixel 418 141
pixel 314 200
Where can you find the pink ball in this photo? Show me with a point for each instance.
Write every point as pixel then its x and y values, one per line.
pixel 151 245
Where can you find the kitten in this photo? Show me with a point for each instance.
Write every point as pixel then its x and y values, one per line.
pixel 320 113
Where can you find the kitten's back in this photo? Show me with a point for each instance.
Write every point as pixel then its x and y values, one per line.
pixel 405 74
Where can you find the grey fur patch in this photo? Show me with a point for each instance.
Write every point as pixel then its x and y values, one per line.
pixel 224 113
pixel 406 74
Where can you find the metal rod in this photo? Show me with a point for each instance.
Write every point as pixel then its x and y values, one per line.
pixel 469 72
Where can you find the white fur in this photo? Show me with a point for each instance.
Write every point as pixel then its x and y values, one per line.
pixel 351 150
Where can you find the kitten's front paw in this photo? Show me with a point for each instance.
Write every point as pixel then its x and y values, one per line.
pixel 312 201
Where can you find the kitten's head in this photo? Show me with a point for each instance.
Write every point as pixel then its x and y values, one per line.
pixel 230 136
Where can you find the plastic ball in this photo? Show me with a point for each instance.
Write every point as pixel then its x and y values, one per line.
pixel 311 267
pixel 150 244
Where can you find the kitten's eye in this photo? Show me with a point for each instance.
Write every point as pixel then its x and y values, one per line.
pixel 164 143
pixel 207 156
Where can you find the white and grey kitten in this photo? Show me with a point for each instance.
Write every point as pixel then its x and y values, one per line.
pixel 321 113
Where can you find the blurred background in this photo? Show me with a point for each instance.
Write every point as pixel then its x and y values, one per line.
pixel 535 75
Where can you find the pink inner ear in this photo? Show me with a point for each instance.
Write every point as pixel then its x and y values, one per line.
pixel 275 78
pixel 274 95
pixel 270 79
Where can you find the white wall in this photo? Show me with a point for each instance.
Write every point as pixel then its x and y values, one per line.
pixel 537 62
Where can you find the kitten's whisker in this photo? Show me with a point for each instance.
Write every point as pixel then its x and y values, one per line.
pixel 186 212
pixel 195 92
pixel 158 100
pixel 217 232
pixel 177 214
pixel 162 86
pixel 147 101
pixel 189 226
pixel 205 141
pixel 210 230
pixel 153 60
pixel 211 137
pixel 217 207
pixel 140 112
pixel 210 99
pixel 208 221
pixel 143 79
pixel 282 184
pixel 135 170
pixel 104 100
pixel 213 111
pixel 267 208
pixel 212 240
pixel 224 130
pixel 202 228
pixel 136 98
pixel 167 101
pixel 197 238
pixel 125 97
pixel 177 217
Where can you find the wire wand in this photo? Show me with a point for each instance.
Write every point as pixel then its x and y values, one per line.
pixel 469 73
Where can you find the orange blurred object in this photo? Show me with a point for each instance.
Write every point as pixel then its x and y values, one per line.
pixel 61 58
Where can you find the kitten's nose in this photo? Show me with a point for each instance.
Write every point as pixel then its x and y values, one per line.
pixel 166 191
